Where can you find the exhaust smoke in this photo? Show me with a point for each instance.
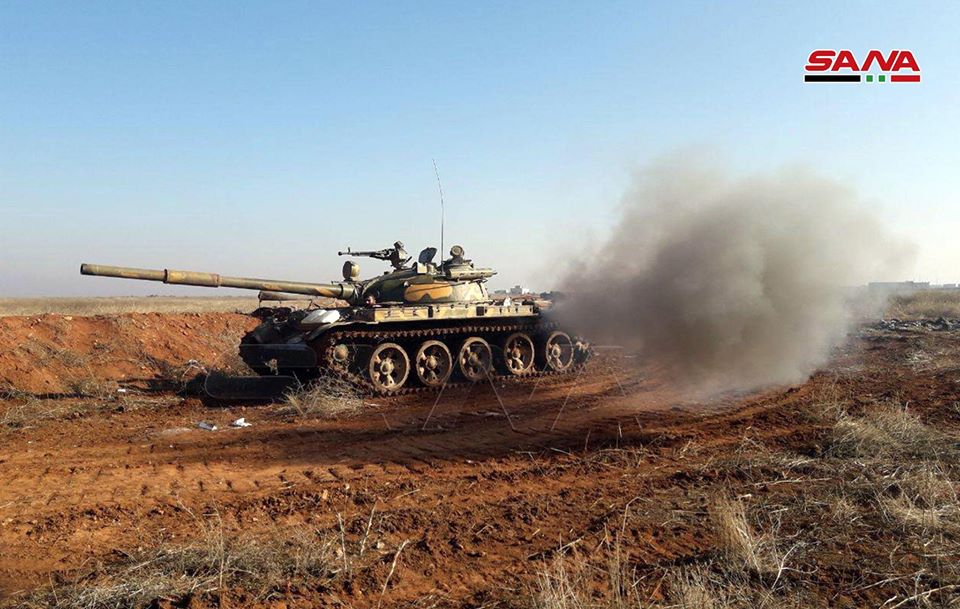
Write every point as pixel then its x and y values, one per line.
pixel 730 283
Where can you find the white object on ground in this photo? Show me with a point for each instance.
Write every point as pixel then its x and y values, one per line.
pixel 241 422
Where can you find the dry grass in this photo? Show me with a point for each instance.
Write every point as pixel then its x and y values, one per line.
pixel 741 546
pixel 694 589
pixel 748 571
pixel 888 431
pixel 20 410
pixel 127 304
pixel 560 586
pixel 27 411
pixel 326 397
pixel 92 387
pixel 218 563
pixel 924 500
pixel 753 557
pixel 929 304
pixel 894 478
pixel 566 583
pixel 875 496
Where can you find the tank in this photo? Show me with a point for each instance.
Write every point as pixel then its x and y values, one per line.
pixel 420 325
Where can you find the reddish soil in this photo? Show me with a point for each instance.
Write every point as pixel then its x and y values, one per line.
pixel 54 354
pixel 481 504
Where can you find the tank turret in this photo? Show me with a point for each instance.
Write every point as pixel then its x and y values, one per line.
pixel 456 280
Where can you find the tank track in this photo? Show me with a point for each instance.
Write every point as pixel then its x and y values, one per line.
pixel 374 335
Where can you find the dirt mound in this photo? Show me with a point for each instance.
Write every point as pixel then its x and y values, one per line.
pixel 60 354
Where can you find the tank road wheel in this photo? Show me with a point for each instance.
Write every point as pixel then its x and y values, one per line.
pixel 388 368
pixel 433 363
pixel 518 354
pixel 557 352
pixel 475 359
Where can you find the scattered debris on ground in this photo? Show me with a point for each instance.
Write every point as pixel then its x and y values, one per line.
pixel 941 324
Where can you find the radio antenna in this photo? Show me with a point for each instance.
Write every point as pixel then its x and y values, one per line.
pixel 440 187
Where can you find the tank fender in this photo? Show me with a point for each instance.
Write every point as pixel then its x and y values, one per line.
pixel 326 328
pixel 319 317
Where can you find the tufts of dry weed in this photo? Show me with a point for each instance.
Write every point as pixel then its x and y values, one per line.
pixel 326 397
pixel 886 486
pixel 560 586
pixel 216 561
pixel 694 589
pixel 567 583
pixel 927 304
pixel 27 411
pixel 886 432
pixel 19 410
pixel 924 500
pixel 743 549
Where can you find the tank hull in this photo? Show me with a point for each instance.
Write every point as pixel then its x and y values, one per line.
pixel 461 343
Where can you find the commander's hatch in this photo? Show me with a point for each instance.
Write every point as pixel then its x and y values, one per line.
pixel 427 255
pixel 424 264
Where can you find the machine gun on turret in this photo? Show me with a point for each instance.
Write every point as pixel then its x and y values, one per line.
pixel 396 255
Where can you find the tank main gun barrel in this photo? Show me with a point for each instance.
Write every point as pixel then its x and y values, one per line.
pixel 343 291
pixel 264 295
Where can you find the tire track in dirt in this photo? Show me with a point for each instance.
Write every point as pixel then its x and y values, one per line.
pixel 136 469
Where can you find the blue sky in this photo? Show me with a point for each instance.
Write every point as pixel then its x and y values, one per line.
pixel 260 138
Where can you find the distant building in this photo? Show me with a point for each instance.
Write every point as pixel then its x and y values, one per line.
pixel 517 290
pixel 891 288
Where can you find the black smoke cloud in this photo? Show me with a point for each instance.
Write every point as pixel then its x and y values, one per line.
pixel 733 283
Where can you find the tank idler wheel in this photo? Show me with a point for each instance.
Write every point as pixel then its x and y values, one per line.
pixel 433 363
pixel 475 359
pixel 388 367
pixel 518 354
pixel 556 352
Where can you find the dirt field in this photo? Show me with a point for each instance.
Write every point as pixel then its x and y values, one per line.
pixel 109 305
pixel 608 489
